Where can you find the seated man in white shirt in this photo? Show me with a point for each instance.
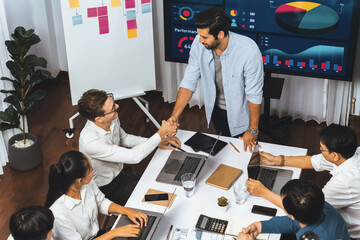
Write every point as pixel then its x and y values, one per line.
pixel 32 222
pixel 109 147
pixel 341 156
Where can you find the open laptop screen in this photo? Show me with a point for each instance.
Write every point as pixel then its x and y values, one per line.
pixel 255 157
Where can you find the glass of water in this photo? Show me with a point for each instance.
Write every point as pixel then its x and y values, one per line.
pixel 240 192
pixel 188 181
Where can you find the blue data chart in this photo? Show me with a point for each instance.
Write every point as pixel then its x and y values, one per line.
pixel 182 38
pixel 315 38
pixel 312 56
pixel 185 13
pixel 330 19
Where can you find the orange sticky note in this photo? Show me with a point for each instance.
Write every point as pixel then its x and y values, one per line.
pixel 74 3
pixel 115 3
pixel 132 33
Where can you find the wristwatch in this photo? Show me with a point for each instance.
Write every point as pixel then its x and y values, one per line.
pixel 254 131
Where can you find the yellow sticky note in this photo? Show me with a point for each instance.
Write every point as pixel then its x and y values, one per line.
pixel 115 3
pixel 132 33
pixel 74 3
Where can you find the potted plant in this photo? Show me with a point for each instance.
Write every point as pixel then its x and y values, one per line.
pixel 27 71
pixel 223 203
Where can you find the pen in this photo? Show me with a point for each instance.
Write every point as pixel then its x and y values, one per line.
pixel 172 145
pixel 234 147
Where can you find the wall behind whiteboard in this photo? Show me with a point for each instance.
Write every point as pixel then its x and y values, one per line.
pixel 109 61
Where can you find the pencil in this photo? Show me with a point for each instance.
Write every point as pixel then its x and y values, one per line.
pixel 234 147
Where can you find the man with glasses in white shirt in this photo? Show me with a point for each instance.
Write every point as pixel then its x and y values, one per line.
pixel 340 155
pixel 109 147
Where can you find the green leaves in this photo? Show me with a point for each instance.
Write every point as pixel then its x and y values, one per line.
pixel 27 71
pixel 10 118
pixel 33 99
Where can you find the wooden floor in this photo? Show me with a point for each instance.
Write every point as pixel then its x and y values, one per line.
pixel 48 119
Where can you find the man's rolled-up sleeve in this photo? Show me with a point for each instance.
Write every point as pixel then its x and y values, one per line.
pixel 254 78
pixel 192 72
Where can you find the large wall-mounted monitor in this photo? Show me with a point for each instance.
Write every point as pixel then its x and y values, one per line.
pixel 306 38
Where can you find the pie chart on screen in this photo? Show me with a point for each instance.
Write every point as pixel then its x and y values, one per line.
pixel 306 18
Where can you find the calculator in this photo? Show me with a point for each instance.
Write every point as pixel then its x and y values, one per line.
pixel 209 224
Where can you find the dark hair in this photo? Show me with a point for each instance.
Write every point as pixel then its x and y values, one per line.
pixel 339 139
pixel 91 103
pixel 303 199
pixel 31 223
pixel 71 166
pixel 215 19
pixel 309 236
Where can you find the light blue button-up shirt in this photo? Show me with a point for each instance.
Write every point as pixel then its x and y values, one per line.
pixel 242 73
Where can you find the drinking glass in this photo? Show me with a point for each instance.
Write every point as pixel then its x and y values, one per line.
pixel 188 181
pixel 240 192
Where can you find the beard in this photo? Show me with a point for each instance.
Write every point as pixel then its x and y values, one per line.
pixel 212 46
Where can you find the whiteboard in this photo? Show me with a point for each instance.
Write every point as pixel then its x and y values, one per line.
pixel 109 46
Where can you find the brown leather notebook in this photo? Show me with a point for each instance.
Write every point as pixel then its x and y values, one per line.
pixel 163 202
pixel 224 176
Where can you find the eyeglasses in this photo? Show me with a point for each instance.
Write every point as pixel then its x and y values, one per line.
pixel 323 150
pixel 113 108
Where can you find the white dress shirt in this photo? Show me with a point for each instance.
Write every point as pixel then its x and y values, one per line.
pixel 11 238
pixel 109 150
pixel 343 189
pixel 77 219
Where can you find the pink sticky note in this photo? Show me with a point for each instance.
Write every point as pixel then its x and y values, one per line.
pixel 131 24
pixel 104 24
pixel 104 30
pixel 145 1
pixel 92 12
pixel 129 3
pixel 103 21
pixel 102 11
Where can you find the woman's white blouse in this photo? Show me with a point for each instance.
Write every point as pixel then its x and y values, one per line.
pixel 77 219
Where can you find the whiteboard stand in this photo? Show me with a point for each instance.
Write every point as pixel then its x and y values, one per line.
pixel 146 109
pixel 69 133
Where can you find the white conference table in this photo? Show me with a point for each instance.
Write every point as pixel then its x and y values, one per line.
pixel 186 211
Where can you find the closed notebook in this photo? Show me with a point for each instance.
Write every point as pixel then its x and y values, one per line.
pixel 224 176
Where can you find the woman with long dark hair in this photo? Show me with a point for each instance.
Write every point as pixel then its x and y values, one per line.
pixel 75 201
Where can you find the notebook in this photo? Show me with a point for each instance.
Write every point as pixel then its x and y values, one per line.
pixel 272 178
pixel 179 163
pixel 224 176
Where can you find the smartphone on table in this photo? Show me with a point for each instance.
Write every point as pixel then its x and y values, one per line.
pixel 156 197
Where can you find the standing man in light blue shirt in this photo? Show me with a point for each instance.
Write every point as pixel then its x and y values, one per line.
pixel 231 70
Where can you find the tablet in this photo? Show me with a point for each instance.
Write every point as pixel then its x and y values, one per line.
pixel 202 142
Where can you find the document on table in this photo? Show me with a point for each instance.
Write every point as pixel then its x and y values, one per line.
pixel 236 224
pixel 188 233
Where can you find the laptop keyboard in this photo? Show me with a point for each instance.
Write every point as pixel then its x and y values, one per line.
pixel 189 166
pixel 145 231
pixel 267 177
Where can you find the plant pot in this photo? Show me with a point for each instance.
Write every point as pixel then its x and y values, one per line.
pixel 224 208
pixel 24 159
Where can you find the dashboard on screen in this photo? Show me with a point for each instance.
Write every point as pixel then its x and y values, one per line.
pixel 306 38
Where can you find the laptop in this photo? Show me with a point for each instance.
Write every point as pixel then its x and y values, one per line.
pixel 272 178
pixel 154 218
pixel 179 163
